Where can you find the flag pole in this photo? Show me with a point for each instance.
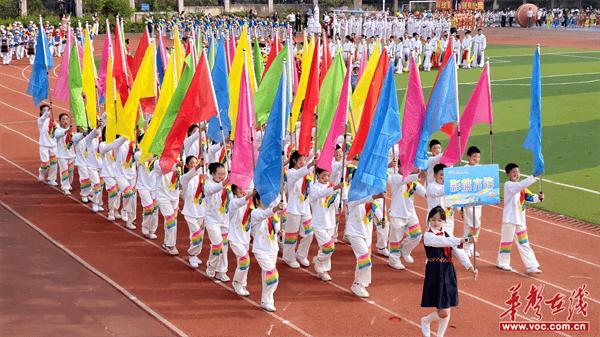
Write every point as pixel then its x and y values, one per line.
pixel 284 94
pixel 316 137
pixel 214 96
pixel 487 63
pixel 47 71
pixel 460 154
pixel 539 52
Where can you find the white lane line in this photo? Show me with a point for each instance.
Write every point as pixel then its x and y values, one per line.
pixel 554 53
pixel 178 258
pixel 98 273
pixel 54 105
pixel 19 133
pixel 544 84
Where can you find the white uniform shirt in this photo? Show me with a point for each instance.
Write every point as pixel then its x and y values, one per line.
pixel 64 145
pixel 46 139
pixel 295 179
pixel 263 242
pixel 323 210
pixel 214 194
pixel 146 177
pixel 357 223
pixel 402 198
pixel 514 212
pixel 239 233
pixel 189 183
pixel 435 195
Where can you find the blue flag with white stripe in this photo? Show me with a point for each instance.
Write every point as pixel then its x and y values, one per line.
pixel 533 141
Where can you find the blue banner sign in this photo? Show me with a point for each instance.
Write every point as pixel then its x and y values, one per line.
pixel 471 185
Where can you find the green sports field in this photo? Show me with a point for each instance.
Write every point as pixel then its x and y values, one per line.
pixel 570 119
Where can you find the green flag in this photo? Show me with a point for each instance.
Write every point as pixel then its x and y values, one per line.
pixel 329 97
pixel 182 87
pixel 75 89
pixel 259 65
pixel 263 99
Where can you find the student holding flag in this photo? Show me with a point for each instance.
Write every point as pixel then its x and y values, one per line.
pixel 194 207
pixel 46 126
pixel 240 209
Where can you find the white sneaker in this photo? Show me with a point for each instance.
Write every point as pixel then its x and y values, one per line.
pixel 468 252
pixel 408 259
pixel 40 177
pixel 425 328
pixel 130 225
pixel 95 208
pixel 303 261
pixel 124 217
pixel 534 270
pixel 222 277
pixel 117 216
pixel 396 265
pixel 153 236
pixel 100 208
pixel 239 289
pixel 505 268
pixel 52 183
pixel 170 250
pixel 383 251
pixel 67 192
pixel 193 260
pixel 210 272
pixel 477 254
pixel 324 276
pixel 85 199
pixel 246 292
pixel 293 264
pixel 111 217
pixel 359 290
pixel 268 307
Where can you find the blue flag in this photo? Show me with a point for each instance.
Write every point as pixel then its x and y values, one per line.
pixel 371 175
pixel 267 175
pixel 533 141
pixel 442 109
pixel 38 82
pixel 219 76
pixel 160 68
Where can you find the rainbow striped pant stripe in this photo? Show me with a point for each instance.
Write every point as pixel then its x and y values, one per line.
pixel 364 261
pixel 149 210
pixel 128 192
pixel 216 249
pixel 171 221
pixel 113 191
pixel 53 161
pixel 225 239
pixel 522 237
pixel 244 262
pixel 197 237
pixel 307 225
pixel 414 231
pixel 45 165
pixel 395 247
pixel 71 167
pixel 85 183
pixel 505 247
pixel 328 247
pixel 64 175
pixel 97 188
pixel 290 238
pixel 272 277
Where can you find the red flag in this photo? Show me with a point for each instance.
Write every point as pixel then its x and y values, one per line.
pixel 310 103
pixel 326 59
pixel 275 49
pixel 139 53
pixel 121 72
pixel 199 104
pixel 370 105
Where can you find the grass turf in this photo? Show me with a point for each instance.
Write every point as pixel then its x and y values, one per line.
pixel 570 119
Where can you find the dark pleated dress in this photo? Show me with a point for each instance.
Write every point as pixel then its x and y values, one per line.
pixel 439 287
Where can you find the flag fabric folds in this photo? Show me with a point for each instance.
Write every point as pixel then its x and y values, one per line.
pixel 121 72
pixel 263 100
pixel 88 78
pixel 259 65
pixel 75 89
pixel 103 64
pixel 370 177
pixel 38 82
pixel 359 95
pixel 221 85
pixel 61 86
pixel 307 57
pixel 310 103
pixel 329 97
pixel 533 140
pixel 242 57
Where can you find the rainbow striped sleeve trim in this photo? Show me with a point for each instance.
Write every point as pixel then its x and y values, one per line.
pixel 505 247
pixel 244 262
pixel 522 237
pixel 290 238
pixel 171 221
pixel 474 232
pixel 113 191
pixel 197 237
pixel 526 196
pixel 329 200
pixel 328 247
pixel 449 212
pixel 85 183
pixel 307 225
pixel 128 192
pixel 395 247
pixel 414 231
pixel 306 182
pixel 364 261
pixel 410 190
pixel 217 249
pixel 272 277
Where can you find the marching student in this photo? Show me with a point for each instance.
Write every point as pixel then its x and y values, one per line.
pixel 146 187
pixel 93 162
pixel 240 208
pixel 472 226
pixel 46 126
pixel 323 201
pixel 265 223
pixel 107 173
pixel 439 286
pixel 359 231
pixel 85 184
pixel 299 218
pixel 382 232
pixel 65 152
pixel 125 176
pixel 466 49
pixel 194 207
pixel 167 196
pixel 217 194
pixel 435 197
pixel 514 225
pixel 435 147
pixel 405 231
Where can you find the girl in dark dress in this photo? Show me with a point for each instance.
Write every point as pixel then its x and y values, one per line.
pixel 439 287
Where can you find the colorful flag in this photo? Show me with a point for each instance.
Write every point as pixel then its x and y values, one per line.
pixel 533 140
pixel 61 87
pixel 477 111
pixel 243 55
pixel 140 52
pixel 121 72
pixel 75 89
pixel 103 64
pixel 259 65
pixel 38 82
pixel 263 100
pixel 325 58
pixel 88 78
pixel 198 105
pixel 412 123
pixel 221 84
pixel 273 52
pixel 359 95
pixel 307 56
pixel 161 58
pixel 309 106
pixel 371 175
pixel 178 51
pixel 329 97
pixel 112 106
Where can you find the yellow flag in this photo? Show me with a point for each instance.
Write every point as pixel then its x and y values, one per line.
pixel 88 78
pixel 113 107
pixel 359 96
pixel 178 51
pixel 307 54
pixel 143 86
pixel 235 76
pixel 166 93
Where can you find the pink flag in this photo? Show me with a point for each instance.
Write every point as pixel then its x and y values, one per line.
pixel 61 87
pixel 477 111
pixel 414 116
pixel 244 153
pixel 103 66
pixel 231 49
pixel 338 125
pixel 363 63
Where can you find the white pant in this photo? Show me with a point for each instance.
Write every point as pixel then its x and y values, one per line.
pixel 48 163
pixel 240 251
pixel 427 61
pixel 96 186
pixel 269 275
pixel 383 235
pixel 518 233
pixel 169 209
pixel 217 260
pixel 292 229
pixel 127 189
pixel 149 212
pixel 112 189
pixel 85 183
pixel 326 244
pixel 471 228
pixel 65 167
pixel 401 245
pixel 196 227
pixel 362 251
